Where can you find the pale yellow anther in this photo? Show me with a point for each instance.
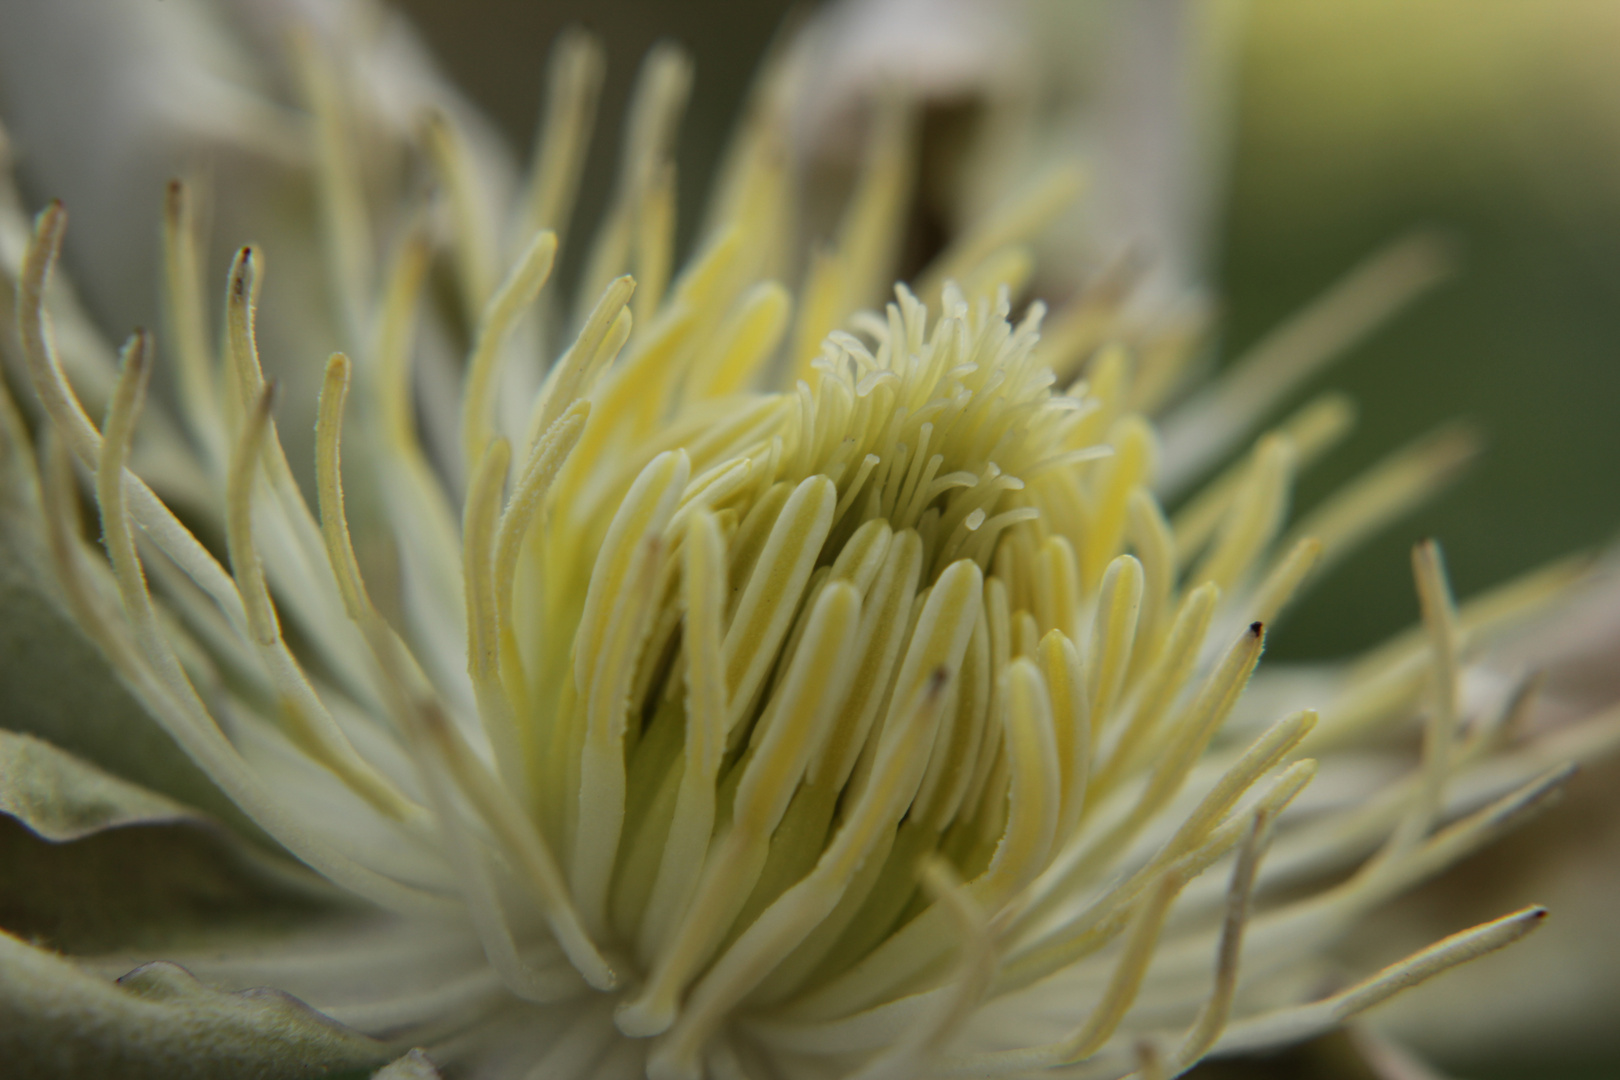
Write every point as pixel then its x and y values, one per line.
pixel 474 246
pixel 1314 429
pixel 1071 716
pixel 655 110
pixel 1018 220
pixel 576 68
pixel 188 326
pixel 391 351
pixel 1129 970
pixel 1206 1029
pixel 241 305
pixel 1113 633
pixel 747 340
pixel 1254 516
pixel 1279 586
pixel 1388 490
pixel 1210 423
pixel 545 460
pixel 479 519
pixel 703 555
pixel 117 434
pixel 654 251
pixel 329 488
pixel 1163 682
pixel 1440 722
pixel 1115 478
pixel 500 317
pixel 346 222
pixel 245 565
pixel 1155 546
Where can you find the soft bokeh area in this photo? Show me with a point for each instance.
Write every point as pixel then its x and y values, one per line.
pixel 1500 124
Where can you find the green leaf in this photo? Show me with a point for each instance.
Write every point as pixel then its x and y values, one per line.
pixel 61 798
pixel 159 1022
pixel 94 863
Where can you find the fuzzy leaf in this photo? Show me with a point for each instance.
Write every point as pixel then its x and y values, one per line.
pixel 94 863
pixel 160 1022
pixel 62 798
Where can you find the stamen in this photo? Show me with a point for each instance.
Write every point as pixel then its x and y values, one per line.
pixel 329 486
pixel 749 338
pixel 515 295
pixel 479 518
pixel 655 241
pixel 693 822
pixel 655 111
pixel 1155 548
pixel 1301 1022
pixel 1312 430
pixel 797 720
pixel 1020 219
pixel 162 685
pixel 118 434
pixel 572 376
pixel 183 293
pixel 475 247
pixel 1115 479
pixel 858 267
pixel 545 460
pixel 519 839
pixel 576 67
pixel 768 601
pixel 976 966
pixel 1071 712
pixel 617 616
pixel 245 566
pixel 1440 727
pixel 1036 795
pixel 345 223
pixel 241 305
pixel 1256 514
pixel 1113 633
pixel 1202 430
pixel 1128 973
pixel 1388 490
pixel 1278 588
pixel 1206 1029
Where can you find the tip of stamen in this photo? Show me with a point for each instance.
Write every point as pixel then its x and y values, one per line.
pixel 1256 629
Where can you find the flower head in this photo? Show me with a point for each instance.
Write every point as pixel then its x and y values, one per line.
pixel 782 681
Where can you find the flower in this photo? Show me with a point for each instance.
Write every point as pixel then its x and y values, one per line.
pixel 799 682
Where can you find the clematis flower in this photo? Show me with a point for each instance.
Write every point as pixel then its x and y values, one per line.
pixel 787 672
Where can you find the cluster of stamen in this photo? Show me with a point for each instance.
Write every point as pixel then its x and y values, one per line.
pixel 790 719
